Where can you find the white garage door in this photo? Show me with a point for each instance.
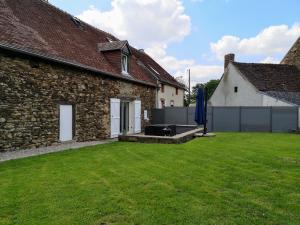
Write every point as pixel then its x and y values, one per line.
pixel 65 123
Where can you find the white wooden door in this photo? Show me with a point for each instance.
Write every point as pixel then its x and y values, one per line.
pixel 114 117
pixel 137 116
pixel 65 122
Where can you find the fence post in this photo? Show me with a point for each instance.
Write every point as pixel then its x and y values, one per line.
pixel 187 115
pixel 298 118
pixel 212 119
pixel 271 119
pixel 240 119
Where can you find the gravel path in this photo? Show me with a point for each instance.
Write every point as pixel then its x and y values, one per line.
pixel 5 156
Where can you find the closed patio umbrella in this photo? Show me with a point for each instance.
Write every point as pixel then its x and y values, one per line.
pixel 199 114
pixel 201 108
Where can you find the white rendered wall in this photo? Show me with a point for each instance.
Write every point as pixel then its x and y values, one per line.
pixel 224 95
pixel 169 95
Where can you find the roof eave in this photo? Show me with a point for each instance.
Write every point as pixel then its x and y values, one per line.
pixel 280 99
pixel 159 79
pixel 69 63
pixel 173 85
pixel 128 46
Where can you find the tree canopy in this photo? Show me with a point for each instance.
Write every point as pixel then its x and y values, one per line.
pixel 210 85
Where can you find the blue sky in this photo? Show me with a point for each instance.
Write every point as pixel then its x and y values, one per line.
pixel 201 31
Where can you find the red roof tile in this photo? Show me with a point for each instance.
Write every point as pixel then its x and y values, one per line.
pixel 37 26
pixel 156 69
pixel 271 77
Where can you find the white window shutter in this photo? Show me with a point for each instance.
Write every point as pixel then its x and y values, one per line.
pixel 137 116
pixel 114 117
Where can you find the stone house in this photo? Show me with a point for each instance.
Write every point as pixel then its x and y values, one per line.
pixel 170 93
pixel 64 80
pixel 258 84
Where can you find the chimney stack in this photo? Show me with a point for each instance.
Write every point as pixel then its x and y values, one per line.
pixel 227 59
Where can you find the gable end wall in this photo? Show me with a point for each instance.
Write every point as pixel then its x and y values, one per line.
pixel 224 95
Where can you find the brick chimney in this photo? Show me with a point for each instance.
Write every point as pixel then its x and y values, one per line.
pixel 227 59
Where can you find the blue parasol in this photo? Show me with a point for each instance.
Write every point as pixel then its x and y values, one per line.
pixel 200 110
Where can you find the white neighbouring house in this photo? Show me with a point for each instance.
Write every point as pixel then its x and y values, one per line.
pixel 257 84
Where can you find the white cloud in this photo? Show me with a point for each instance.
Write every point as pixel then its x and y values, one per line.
pixel 168 62
pixel 199 73
pixel 269 42
pixel 202 73
pixel 143 23
pixel 153 25
pixel 270 60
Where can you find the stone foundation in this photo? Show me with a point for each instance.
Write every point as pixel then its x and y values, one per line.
pixel 31 91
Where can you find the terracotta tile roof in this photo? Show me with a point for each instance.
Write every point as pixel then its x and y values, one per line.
pixel 36 26
pixel 155 69
pixel 271 77
pixel 292 97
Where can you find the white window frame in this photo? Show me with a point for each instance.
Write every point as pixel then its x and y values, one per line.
pixel 124 70
pixel 172 103
pixel 146 115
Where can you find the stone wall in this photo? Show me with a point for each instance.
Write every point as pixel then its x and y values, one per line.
pixel 31 91
pixel 293 56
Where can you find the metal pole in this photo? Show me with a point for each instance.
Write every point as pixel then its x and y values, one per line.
pixel 205 110
pixel 189 101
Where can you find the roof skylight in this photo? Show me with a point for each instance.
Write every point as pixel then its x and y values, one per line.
pixel 109 39
pixel 155 71
pixel 76 21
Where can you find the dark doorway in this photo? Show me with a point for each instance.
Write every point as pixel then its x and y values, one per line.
pixel 124 117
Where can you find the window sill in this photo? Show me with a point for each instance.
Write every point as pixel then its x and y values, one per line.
pixel 125 73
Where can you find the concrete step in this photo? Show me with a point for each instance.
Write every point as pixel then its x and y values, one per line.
pixel 204 135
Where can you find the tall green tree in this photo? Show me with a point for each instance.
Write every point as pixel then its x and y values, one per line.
pixel 210 85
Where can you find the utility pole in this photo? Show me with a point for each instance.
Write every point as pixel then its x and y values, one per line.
pixel 189 100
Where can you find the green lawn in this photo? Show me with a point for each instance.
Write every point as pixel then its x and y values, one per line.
pixel 231 179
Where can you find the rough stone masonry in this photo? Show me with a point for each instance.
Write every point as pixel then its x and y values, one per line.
pixel 31 91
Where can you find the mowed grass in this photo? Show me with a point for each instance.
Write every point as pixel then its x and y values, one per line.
pixel 235 178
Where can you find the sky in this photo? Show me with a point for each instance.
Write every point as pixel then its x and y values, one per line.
pixel 196 34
